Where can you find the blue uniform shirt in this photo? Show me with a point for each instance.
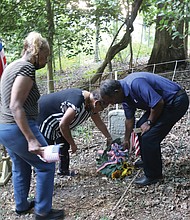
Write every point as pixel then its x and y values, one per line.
pixel 144 90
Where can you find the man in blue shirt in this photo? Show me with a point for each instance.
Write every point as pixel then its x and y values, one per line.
pixel 164 103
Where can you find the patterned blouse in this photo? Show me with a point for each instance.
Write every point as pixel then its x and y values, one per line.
pixel 53 106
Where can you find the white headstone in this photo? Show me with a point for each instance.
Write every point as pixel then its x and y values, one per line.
pixel 116 123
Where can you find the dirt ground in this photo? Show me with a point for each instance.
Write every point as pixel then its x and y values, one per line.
pixel 92 196
pixel 95 197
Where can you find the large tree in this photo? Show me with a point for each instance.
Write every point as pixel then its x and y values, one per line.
pixel 169 44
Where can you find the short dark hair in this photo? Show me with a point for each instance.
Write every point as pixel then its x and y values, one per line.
pixel 109 87
pixel 97 97
pixel 96 94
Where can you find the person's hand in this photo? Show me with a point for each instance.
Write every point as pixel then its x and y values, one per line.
pixel 35 147
pixel 73 148
pixel 109 141
pixel 145 127
pixel 126 145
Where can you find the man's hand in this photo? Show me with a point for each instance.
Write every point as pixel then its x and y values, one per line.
pixel 126 145
pixel 109 141
pixel 145 127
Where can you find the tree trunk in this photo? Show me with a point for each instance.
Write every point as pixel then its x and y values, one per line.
pixel 122 44
pixel 96 51
pixel 59 56
pixel 186 31
pixel 166 48
pixel 50 16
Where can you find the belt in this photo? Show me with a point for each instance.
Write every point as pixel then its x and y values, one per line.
pixel 180 92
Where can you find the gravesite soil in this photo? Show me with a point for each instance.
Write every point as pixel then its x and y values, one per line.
pixel 93 196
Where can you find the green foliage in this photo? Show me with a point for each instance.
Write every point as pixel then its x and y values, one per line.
pixel 75 26
pixel 171 14
pixel 141 50
pixel 106 11
pixel 77 35
pixel 69 63
pixel 88 74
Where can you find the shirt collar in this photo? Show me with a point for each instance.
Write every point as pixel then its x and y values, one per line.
pixel 125 87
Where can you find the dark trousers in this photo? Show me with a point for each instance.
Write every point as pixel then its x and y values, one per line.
pixel 64 154
pixel 150 141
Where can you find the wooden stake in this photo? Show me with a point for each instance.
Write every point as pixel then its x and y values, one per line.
pixel 126 189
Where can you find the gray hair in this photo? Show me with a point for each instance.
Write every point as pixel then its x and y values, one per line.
pixel 33 43
pixel 109 87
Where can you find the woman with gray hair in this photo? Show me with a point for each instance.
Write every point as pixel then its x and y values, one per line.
pixel 19 132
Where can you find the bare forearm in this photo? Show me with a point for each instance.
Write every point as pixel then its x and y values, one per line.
pixel 129 125
pixel 66 132
pixel 20 118
pixel 104 131
pixel 156 111
pixel 101 126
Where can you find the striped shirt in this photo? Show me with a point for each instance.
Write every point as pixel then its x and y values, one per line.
pixel 18 68
pixel 54 105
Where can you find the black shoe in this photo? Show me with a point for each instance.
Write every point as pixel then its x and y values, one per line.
pixel 68 173
pixel 139 164
pixel 144 181
pixel 31 205
pixel 54 214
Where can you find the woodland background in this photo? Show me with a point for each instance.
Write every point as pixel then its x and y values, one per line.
pixel 100 32
pixel 92 40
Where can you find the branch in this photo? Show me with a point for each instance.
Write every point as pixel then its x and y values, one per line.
pixel 126 190
pixel 124 42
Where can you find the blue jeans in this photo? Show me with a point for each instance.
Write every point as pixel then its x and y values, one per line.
pixel 150 141
pixel 22 161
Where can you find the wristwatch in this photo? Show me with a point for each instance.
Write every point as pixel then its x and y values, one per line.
pixel 149 122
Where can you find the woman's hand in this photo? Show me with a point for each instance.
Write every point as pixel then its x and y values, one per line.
pixel 73 148
pixel 35 147
pixel 109 141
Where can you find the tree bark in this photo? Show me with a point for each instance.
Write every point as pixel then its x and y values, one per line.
pixel 167 49
pixel 186 38
pixel 96 51
pixel 50 19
